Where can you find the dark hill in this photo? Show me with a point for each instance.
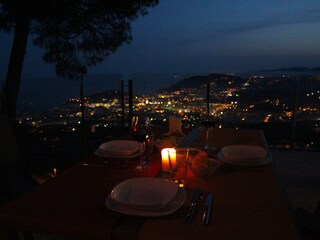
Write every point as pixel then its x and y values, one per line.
pixel 220 80
pixel 293 69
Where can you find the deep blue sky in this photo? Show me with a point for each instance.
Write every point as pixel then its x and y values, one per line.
pixel 207 36
pixel 188 37
pixel 222 35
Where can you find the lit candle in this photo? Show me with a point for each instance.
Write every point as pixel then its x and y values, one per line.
pixel 166 155
pixel 54 172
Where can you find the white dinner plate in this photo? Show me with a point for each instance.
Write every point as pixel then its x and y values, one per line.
pixel 119 148
pixel 170 208
pixel 243 153
pixel 260 162
pixel 144 193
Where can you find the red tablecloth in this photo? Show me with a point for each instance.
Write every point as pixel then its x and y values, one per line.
pixel 248 203
pixel 72 204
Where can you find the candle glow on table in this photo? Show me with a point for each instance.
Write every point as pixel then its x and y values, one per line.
pixel 165 154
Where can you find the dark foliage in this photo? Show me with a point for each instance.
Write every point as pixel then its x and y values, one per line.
pixel 75 34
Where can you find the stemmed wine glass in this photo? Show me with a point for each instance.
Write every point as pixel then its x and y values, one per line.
pixel 140 133
pixel 209 124
pixel 141 137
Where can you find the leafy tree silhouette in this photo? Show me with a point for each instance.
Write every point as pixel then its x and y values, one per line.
pixel 75 34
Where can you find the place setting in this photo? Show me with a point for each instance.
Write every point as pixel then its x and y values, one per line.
pixel 158 197
pixel 148 197
pixel 113 153
pixel 153 196
pixel 244 155
pixel 119 149
pixel 163 195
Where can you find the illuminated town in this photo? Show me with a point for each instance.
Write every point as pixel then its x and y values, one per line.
pixel 256 101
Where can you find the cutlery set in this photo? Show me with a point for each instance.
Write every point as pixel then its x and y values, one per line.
pixel 196 198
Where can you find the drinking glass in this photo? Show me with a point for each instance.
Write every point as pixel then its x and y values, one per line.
pixel 141 133
pixel 141 137
pixel 208 124
pixel 179 169
pixel 134 123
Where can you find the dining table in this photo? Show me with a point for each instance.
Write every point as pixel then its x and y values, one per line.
pixel 248 200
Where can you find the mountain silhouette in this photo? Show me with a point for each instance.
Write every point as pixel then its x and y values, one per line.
pixel 198 81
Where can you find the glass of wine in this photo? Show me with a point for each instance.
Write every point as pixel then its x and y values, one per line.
pixel 141 133
pixel 141 137
pixel 209 124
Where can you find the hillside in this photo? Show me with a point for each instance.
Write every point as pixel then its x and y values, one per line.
pixel 220 80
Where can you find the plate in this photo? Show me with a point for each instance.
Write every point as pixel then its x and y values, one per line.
pixel 261 162
pixel 119 147
pixel 144 193
pixel 168 209
pixel 243 153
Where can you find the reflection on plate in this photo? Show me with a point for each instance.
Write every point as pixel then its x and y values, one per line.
pixel 119 147
pixel 243 153
pixel 101 154
pixel 171 207
pixel 259 162
pixel 144 193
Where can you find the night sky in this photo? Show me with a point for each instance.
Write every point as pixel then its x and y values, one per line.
pixel 208 36
pixel 188 36
pixel 222 35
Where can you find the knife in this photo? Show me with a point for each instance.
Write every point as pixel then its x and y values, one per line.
pixel 207 211
pixel 194 203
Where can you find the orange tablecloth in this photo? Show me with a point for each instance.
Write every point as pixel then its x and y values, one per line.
pixel 248 203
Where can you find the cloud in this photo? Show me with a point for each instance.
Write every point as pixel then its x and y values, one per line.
pixel 304 16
